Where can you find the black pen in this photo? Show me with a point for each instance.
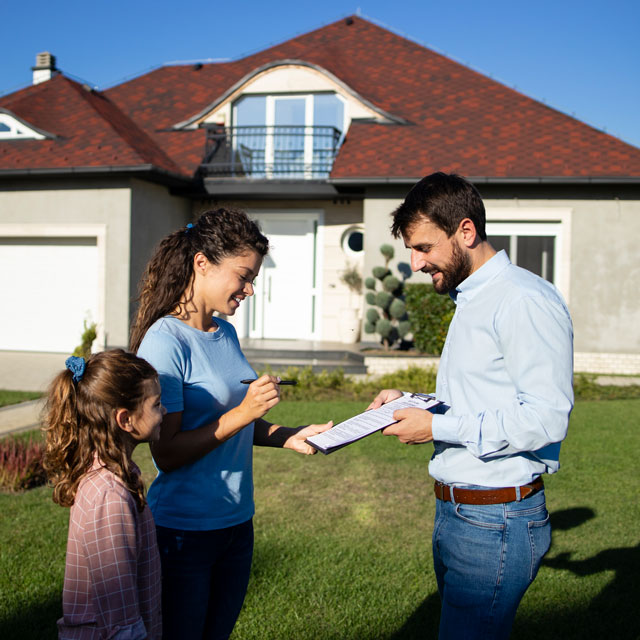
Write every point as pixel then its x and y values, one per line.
pixel 291 382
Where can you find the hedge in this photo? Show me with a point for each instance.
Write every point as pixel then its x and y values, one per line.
pixel 429 314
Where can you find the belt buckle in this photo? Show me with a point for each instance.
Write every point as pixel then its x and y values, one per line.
pixel 440 491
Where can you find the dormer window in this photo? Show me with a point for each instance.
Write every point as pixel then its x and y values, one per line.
pixel 13 129
pixel 287 136
pixel 286 120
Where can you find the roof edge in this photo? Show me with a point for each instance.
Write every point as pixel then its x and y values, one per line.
pixel 493 180
pixel 103 170
pixel 279 63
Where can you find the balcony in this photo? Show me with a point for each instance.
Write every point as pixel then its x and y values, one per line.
pixel 270 152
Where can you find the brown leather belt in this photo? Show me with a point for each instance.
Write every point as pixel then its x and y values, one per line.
pixel 486 496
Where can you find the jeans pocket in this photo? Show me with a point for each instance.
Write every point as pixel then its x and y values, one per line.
pixel 539 540
pixel 486 516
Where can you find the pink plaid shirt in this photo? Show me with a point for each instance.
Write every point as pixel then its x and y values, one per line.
pixel 112 575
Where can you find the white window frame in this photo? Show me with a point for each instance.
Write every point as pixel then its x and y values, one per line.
pixel 17 130
pixel 270 111
pixel 538 221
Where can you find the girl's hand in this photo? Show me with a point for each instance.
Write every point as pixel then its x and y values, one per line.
pixel 263 394
pixel 297 440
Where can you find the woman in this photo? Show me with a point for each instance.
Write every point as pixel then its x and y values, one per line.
pixel 202 498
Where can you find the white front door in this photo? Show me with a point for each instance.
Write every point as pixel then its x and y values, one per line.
pixel 285 304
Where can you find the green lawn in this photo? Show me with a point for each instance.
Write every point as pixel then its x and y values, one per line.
pixel 14 397
pixel 343 541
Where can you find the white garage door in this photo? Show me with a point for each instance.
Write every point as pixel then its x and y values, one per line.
pixel 49 286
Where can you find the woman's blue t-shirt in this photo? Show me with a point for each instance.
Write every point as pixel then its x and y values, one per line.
pixel 200 375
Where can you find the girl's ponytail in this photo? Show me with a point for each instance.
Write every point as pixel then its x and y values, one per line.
pixel 62 438
pixel 80 420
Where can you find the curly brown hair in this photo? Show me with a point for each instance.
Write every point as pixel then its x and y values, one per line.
pixel 167 280
pixel 80 422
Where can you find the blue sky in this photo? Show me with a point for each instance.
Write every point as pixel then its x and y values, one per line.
pixel 579 56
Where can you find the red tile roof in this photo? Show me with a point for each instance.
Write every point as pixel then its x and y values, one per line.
pixel 459 119
pixel 90 131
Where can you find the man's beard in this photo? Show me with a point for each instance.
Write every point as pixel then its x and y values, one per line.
pixel 457 270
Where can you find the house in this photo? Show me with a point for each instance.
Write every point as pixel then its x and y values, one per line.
pixel 319 138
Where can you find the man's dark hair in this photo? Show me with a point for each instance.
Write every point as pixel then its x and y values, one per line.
pixel 445 200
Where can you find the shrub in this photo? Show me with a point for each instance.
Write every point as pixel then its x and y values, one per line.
pixel 429 314
pixel 21 464
pixel 417 379
pixel 83 350
pixel 330 385
pixel 389 320
pixel 586 387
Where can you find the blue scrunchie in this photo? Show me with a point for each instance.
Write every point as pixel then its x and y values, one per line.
pixel 189 227
pixel 76 366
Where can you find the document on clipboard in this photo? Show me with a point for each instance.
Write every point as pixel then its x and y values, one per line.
pixel 368 422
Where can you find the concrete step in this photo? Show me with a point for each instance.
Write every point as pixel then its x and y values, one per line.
pixel 281 356
pixel 260 362
pixel 303 354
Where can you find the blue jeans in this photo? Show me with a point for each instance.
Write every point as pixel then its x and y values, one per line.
pixel 204 580
pixel 485 557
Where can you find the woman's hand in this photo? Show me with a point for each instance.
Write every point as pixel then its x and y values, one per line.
pixel 386 395
pixel 263 394
pixel 296 441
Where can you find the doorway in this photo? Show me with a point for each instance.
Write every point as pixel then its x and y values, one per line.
pixel 286 303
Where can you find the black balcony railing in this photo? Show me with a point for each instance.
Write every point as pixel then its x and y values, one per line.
pixel 270 152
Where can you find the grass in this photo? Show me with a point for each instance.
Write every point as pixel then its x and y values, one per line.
pixel 14 397
pixel 343 541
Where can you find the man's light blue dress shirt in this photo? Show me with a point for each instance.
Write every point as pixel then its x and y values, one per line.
pixel 506 371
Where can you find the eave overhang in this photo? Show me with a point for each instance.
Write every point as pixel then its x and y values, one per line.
pixel 148 171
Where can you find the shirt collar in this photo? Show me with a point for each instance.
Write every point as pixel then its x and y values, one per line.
pixel 468 288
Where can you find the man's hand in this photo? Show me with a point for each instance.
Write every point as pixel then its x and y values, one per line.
pixel 413 426
pixel 386 395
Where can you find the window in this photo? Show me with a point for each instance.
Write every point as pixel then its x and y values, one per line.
pixel 534 253
pixel 539 247
pixel 12 129
pixel 288 136
pixel 353 241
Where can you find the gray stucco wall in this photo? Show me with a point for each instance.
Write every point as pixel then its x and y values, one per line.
pixel 604 269
pixel 154 214
pixel 70 202
pixel 136 216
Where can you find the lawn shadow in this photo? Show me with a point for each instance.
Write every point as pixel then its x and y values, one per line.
pixel 34 621
pixel 611 613
pixel 423 623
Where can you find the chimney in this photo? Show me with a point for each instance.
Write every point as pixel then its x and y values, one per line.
pixel 45 67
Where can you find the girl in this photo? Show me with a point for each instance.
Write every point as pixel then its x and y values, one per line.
pixel 96 413
pixel 202 498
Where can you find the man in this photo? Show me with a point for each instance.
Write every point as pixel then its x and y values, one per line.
pixel 506 374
